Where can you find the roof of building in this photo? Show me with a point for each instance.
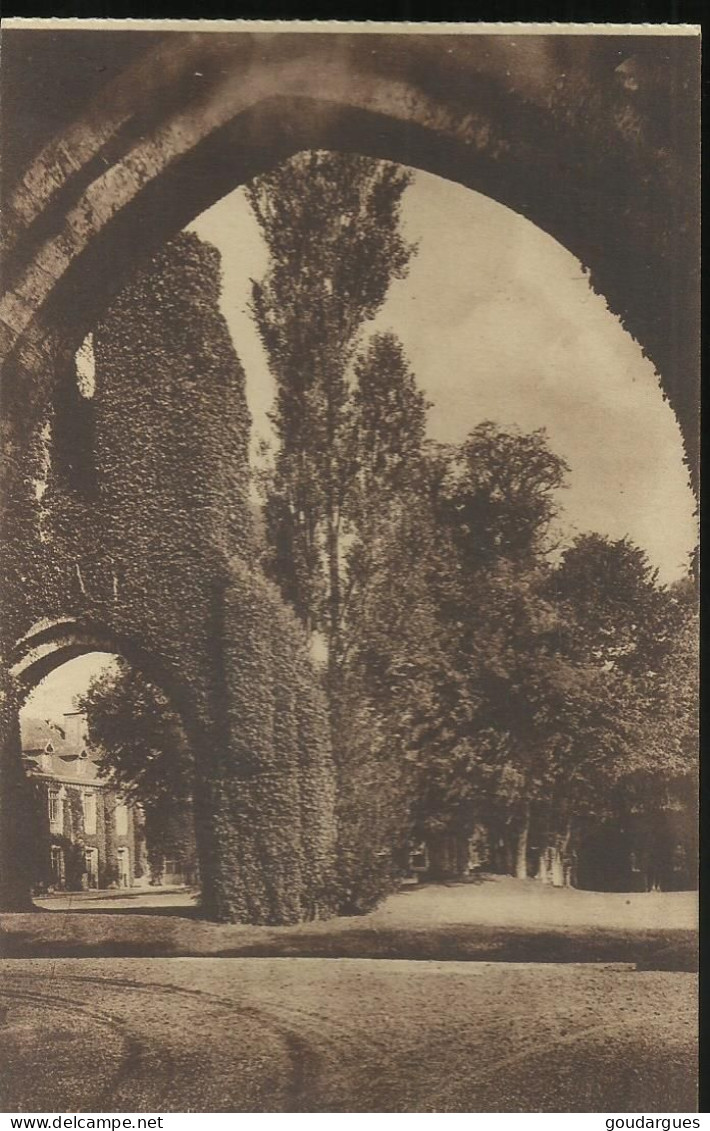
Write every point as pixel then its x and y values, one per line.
pixel 48 750
pixel 36 733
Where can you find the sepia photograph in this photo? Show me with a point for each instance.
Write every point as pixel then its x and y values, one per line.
pixel 349 591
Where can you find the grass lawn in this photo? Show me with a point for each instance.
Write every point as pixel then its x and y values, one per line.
pixel 497 919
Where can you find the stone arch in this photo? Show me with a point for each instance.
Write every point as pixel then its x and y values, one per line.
pixel 576 134
pixel 53 642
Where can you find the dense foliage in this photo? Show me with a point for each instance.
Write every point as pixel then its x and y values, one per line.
pixel 154 552
pixel 331 225
pixel 145 754
pixel 556 711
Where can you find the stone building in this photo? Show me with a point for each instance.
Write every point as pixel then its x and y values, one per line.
pixel 87 835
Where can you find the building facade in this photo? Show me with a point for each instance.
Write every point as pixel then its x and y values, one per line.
pixel 86 835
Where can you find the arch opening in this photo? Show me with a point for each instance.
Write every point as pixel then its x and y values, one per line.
pixel 110 776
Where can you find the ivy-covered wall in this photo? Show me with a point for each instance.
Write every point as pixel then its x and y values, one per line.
pixel 135 519
pixel 276 805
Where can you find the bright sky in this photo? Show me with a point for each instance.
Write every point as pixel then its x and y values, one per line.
pixel 56 694
pixel 499 323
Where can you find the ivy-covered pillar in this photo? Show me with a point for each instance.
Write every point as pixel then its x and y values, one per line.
pixel 15 825
pixel 264 799
pixel 204 801
pixel 171 429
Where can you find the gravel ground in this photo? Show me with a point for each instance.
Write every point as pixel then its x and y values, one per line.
pixel 311 1035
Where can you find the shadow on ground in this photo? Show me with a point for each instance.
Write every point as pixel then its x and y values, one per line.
pixel 502 921
pixel 649 950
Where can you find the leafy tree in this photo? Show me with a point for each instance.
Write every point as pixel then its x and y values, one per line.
pixel 384 451
pixel 620 615
pixel 502 496
pixel 557 704
pixel 518 687
pixel 556 697
pixel 628 719
pixel 503 681
pixel 395 645
pixel 384 615
pixel 145 754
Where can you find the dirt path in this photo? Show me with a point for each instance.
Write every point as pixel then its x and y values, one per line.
pixel 350 1035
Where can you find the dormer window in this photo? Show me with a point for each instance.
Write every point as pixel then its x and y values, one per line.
pixel 49 749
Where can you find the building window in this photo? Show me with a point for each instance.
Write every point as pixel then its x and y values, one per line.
pixel 124 867
pixel 55 810
pixel 56 859
pixel 121 818
pixel 89 804
pixel 91 863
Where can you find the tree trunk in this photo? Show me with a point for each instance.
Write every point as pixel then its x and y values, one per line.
pixel 560 862
pixel 543 868
pixel 333 600
pixel 500 859
pixel 508 845
pixel 521 848
pixel 557 870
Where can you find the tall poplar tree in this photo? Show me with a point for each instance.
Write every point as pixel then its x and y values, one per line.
pixel 331 223
pixel 350 428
